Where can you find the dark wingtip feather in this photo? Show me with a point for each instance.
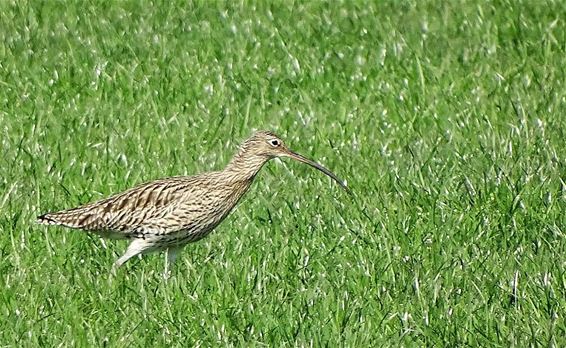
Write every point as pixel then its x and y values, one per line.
pixel 45 219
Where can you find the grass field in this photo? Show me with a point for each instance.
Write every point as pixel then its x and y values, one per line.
pixel 447 119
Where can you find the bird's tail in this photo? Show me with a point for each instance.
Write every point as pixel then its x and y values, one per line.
pixel 48 219
pixel 73 218
pixel 80 217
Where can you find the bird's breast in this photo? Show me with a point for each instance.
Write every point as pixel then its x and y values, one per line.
pixel 213 206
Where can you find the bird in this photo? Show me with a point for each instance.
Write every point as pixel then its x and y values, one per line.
pixel 167 214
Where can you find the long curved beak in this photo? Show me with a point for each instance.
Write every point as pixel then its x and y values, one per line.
pixel 303 159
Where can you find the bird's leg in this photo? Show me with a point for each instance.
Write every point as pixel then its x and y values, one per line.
pixel 170 256
pixel 136 247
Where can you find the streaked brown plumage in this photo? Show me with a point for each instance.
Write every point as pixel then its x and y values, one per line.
pixel 167 214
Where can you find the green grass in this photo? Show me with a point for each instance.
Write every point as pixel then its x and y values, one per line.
pixel 447 119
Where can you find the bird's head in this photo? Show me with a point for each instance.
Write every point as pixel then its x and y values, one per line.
pixel 267 145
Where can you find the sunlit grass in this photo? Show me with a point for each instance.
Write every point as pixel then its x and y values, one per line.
pixel 446 120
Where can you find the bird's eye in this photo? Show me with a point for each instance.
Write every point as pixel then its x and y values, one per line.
pixel 274 142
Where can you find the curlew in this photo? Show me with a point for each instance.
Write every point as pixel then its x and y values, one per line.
pixel 167 214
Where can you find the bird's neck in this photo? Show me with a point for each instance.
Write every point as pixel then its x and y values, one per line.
pixel 245 166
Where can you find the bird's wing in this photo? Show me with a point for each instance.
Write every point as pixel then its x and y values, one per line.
pixel 125 211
